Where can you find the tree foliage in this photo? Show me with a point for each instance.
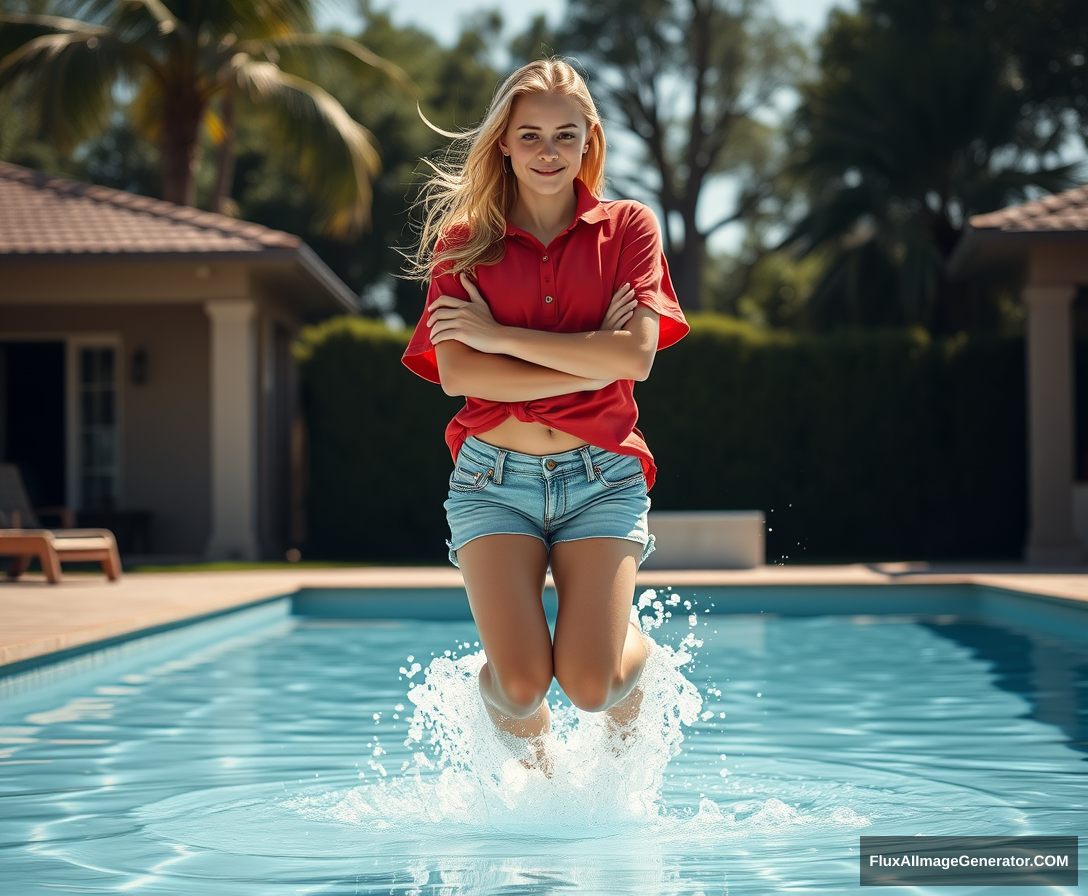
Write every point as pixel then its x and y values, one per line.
pixel 454 85
pixel 690 81
pixel 920 117
pixel 186 65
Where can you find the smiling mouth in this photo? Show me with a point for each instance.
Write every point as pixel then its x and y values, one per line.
pixel 547 171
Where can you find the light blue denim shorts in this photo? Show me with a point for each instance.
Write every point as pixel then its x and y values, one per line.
pixel 584 493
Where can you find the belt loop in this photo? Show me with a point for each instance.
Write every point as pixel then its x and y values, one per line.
pixel 499 461
pixel 588 461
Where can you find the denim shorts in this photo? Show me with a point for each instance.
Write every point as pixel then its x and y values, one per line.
pixel 583 493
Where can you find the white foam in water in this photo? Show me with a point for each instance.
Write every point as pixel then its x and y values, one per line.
pixel 466 774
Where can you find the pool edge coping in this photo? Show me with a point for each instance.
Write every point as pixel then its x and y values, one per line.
pixel 58 646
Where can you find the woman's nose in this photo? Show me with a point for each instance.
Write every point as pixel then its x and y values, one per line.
pixel 548 150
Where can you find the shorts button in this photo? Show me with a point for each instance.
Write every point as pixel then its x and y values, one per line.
pixel 550 464
pixel 548 300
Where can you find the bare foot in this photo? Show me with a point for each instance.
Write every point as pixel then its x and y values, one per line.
pixel 525 734
pixel 623 716
pixel 538 757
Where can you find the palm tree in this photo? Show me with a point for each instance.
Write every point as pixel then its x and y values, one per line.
pixel 185 64
pixel 914 124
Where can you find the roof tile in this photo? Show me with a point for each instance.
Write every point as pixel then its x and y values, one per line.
pixel 1066 211
pixel 45 215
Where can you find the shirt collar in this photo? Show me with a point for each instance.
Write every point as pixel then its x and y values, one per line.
pixel 589 209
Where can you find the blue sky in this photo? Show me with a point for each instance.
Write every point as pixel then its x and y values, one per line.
pixel 443 17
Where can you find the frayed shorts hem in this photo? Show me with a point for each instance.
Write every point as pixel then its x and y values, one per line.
pixel 648 546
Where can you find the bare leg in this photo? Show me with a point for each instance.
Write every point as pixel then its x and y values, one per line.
pixel 598 654
pixel 504 577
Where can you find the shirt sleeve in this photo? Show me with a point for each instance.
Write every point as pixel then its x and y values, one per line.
pixel 419 357
pixel 643 265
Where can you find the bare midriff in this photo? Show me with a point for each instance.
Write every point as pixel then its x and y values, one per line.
pixel 529 438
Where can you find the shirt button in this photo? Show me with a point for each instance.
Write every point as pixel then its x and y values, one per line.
pixel 550 464
pixel 545 258
pixel 548 300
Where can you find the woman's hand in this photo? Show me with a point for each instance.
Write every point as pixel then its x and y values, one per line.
pixel 468 322
pixel 620 309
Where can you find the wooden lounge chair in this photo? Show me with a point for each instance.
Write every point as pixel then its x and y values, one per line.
pixel 51 547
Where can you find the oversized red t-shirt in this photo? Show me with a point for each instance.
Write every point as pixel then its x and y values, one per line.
pixel 566 288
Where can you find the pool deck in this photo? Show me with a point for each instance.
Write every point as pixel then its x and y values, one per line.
pixel 37 619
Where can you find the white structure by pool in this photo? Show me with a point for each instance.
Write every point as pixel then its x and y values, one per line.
pixel 1044 246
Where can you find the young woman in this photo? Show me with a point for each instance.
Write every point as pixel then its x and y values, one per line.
pixel 545 305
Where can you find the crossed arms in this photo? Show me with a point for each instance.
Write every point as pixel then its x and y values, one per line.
pixel 480 358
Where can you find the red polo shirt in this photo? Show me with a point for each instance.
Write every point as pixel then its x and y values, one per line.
pixel 565 287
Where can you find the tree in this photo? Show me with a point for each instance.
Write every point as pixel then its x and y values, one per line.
pixel 186 64
pixel 691 81
pixel 916 121
pixel 454 86
pixel 1046 46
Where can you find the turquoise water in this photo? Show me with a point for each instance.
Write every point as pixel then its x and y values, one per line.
pixel 307 755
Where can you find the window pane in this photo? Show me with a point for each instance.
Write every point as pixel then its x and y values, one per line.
pixel 89 457
pixel 105 365
pixel 105 440
pixel 98 436
pixel 87 408
pixel 86 365
pixel 105 408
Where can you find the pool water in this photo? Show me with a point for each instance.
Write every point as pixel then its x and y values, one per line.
pixel 306 755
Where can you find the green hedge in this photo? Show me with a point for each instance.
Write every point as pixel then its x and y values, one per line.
pixel 857 446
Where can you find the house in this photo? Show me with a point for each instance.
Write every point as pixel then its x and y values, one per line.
pixel 146 377
pixel 1043 246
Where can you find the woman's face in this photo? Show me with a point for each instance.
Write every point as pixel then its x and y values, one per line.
pixel 545 140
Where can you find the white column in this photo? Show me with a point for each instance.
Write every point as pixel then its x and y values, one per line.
pixel 1051 537
pixel 233 429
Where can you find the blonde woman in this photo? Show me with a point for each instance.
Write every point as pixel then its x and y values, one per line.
pixel 546 304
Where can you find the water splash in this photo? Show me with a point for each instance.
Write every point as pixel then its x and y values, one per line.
pixel 465 776
pixel 465 772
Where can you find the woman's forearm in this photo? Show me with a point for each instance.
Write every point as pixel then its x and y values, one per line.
pixel 465 371
pixel 626 354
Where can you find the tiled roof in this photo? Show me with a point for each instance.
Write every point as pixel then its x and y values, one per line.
pixel 44 215
pixel 1066 211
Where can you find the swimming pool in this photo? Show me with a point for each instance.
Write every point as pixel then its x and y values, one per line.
pixel 265 752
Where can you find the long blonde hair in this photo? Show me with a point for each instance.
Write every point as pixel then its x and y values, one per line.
pixel 467 198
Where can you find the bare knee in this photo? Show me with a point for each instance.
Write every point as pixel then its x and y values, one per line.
pixel 589 691
pixel 518 693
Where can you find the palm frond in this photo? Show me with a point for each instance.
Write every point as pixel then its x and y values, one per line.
pixel 18 30
pixel 72 74
pixel 283 45
pixel 330 151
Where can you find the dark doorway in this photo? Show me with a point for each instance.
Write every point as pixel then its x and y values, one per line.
pixel 32 417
